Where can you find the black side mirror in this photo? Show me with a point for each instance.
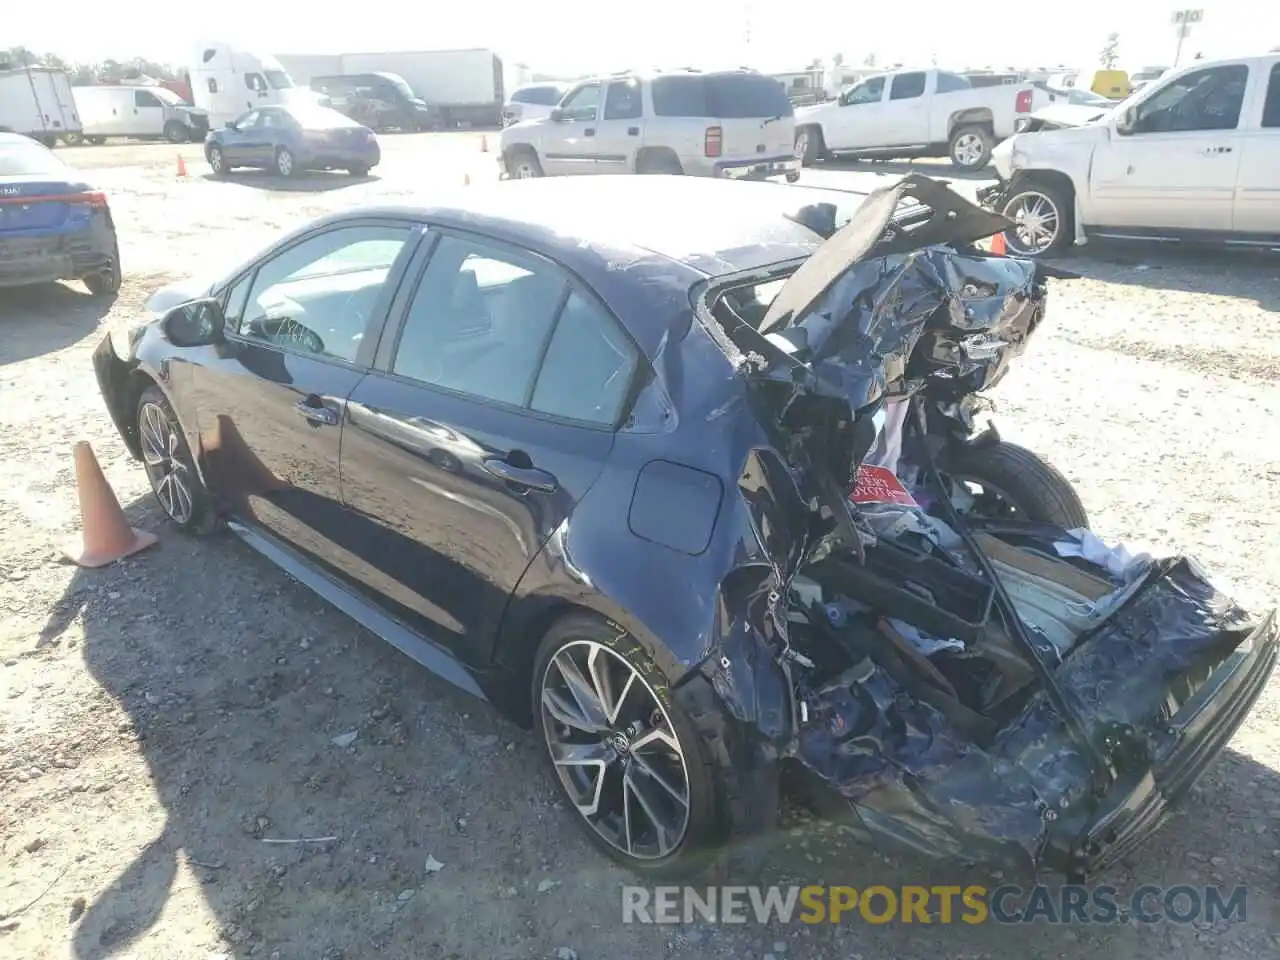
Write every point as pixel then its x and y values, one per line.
pixel 199 323
pixel 557 115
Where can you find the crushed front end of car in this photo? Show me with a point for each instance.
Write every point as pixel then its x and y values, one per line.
pixel 987 690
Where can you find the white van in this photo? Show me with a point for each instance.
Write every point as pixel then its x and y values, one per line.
pixel 148 112
pixel 37 102
pixel 226 81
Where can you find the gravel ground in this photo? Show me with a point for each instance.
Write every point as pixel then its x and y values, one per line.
pixel 162 719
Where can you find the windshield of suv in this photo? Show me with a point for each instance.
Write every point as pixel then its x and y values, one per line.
pixel 545 96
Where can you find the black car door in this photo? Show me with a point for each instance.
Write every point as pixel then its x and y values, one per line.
pixel 490 415
pixel 271 399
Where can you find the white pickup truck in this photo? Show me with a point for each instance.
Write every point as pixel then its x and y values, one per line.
pixel 915 113
pixel 1193 156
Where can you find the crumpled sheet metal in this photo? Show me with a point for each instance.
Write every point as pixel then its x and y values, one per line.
pixel 902 764
pixel 958 318
pixel 909 774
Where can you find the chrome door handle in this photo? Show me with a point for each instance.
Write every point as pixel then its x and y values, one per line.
pixel 316 414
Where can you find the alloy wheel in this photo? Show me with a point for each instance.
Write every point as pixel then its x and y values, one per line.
pixel 215 160
pixel 615 750
pixel 161 456
pixel 284 163
pixel 802 144
pixel 525 170
pixel 1037 221
pixel 968 150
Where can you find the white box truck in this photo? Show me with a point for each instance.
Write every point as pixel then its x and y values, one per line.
pixel 467 85
pixel 37 102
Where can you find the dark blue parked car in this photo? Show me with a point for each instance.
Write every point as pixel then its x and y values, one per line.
pixel 53 226
pixel 291 139
pixel 584 446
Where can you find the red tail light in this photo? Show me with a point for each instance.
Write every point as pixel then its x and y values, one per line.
pixel 1023 104
pixel 91 199
pixel 714 142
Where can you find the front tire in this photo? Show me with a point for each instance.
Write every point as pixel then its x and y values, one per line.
pixel 523 164
pixel 217 161
pixel 1044 216
pixel 970 147
pixel 1017 484
pixel 176 132
pixel 628 758
pixel 168 462
pixel 72 138
pixel 360 170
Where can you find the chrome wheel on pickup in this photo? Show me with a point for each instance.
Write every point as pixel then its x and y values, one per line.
pixel 1041 217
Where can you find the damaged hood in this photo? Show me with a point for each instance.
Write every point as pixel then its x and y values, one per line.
pixel 1063 116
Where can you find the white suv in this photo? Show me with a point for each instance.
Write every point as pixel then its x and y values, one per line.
pixel 725 124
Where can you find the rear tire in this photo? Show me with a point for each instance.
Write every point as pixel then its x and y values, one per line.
pixel 285 163
pixel 1033 487
pixel 680 752
pixel 107 283
pixel 970 147
pixel 97 141
pixel 217 161
pixel 660 164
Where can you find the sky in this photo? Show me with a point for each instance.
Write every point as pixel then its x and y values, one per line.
pixel 576 36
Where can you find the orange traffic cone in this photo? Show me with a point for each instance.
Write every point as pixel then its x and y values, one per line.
pixel 484 144
pixel 998 247
pixel 182 166
pixel 105 532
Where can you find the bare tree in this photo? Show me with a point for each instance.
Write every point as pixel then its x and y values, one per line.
pixel 870 61
pixel 1110 54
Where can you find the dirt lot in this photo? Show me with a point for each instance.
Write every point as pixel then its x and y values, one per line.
pixel 163 719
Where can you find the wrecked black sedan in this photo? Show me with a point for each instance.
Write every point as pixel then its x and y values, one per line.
pixel 685 475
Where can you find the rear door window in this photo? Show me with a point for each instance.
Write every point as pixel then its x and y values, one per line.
pixel 680 97
pixel 907 86
pixel 1271 108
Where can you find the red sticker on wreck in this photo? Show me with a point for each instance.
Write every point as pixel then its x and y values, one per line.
pixel 879 485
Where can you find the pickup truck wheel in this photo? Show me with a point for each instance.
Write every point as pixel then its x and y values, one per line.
pixel 176 132
pixel 970 148
pixel 1042 214
pixel 810 146
pixel 522 164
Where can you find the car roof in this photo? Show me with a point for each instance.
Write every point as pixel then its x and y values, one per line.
pixel 713 227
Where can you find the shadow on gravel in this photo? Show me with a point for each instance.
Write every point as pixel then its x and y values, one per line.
pixel 1249 274
pixel 41 319
pixel 311 182
pixel 236 681
pixel 942 170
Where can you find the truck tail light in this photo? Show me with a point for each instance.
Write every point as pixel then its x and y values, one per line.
pixel 1023 104
pixel 713 143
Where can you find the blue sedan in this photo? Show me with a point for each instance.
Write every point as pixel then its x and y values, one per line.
pixel 53 225
pixel 289 140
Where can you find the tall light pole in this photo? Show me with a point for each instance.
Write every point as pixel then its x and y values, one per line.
pixel 1182 21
